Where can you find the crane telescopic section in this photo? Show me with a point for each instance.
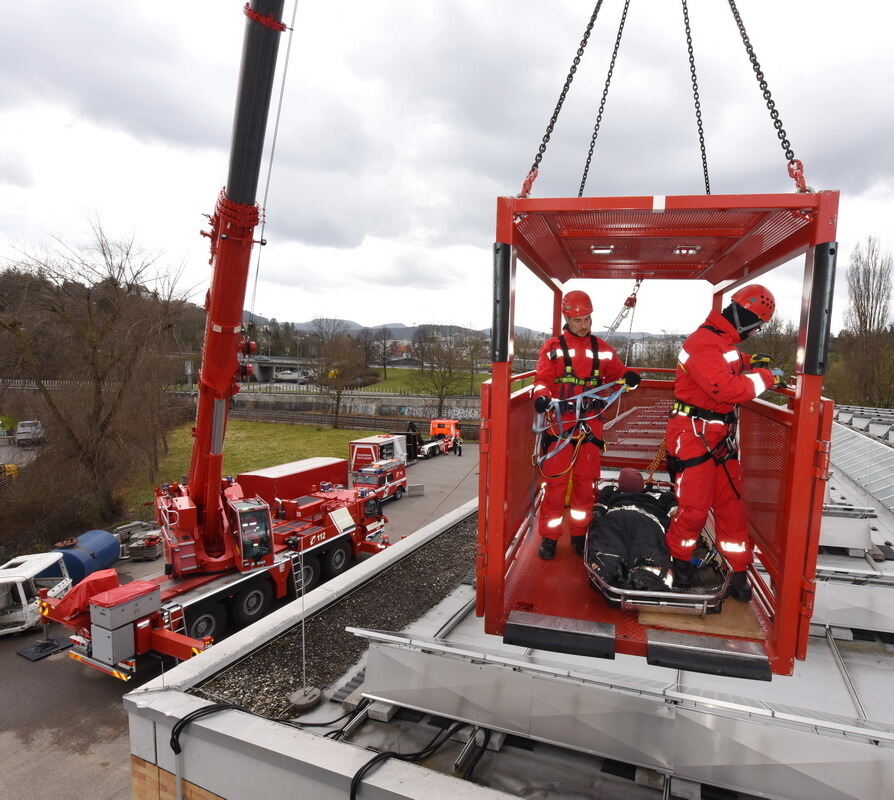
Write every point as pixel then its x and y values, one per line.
pixel 196 516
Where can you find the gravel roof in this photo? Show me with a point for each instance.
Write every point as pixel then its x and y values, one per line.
pixel 265 679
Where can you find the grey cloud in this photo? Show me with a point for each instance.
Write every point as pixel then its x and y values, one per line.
pixel 419 271
pixel 14 170
pixel 107 63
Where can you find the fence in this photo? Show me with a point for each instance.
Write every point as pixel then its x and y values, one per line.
pixel 363 422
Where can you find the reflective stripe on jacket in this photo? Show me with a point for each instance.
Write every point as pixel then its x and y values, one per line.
pixel 551 365
pixel 712 373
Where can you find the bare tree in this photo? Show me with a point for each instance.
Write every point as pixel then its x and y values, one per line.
pixel 868 288
pixel 475 349
pixel 338 359
pixel 660 351
pixel 385 348
pixel 89 316
pixel 527 345
pixel 779 339
pixel 868 348
pixel 366 342
pixel 441 356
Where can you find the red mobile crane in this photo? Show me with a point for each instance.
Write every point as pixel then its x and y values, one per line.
pixel 227 555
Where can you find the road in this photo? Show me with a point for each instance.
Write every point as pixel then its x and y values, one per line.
pixel 10 454
pixel 63 731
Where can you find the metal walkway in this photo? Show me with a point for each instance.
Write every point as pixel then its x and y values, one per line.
pixel 869 463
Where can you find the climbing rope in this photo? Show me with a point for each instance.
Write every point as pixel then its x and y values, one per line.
pixel 795 167
pixel 695 97
pixel 608 80
pixel 532 174
pixel 572 431
pixel 657 461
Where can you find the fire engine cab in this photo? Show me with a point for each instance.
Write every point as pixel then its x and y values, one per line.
pixel 384 479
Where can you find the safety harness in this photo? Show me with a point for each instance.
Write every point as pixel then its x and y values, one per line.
pixel 725 450
pixel 591 402
pixel 568 375
pixel 687 410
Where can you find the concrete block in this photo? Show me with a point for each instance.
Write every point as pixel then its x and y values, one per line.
pixel 353 700
pixel 650 778
pixel 382 711
pixel 415 489
pixel 685 790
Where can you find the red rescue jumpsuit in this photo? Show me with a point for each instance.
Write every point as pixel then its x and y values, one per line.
pixel 592 362
pixel 711 380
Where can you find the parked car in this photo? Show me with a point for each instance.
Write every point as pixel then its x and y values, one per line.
pixel 28 432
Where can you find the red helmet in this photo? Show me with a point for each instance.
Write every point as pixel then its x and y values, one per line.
pixel 757 299
pixel 577 304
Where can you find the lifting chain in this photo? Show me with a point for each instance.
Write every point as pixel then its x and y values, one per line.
pixel 695 96
pixel 795 167
pixel 532 174
pixel 629 305
pixel 608 80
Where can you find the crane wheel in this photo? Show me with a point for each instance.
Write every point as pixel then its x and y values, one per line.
pixel 337 559
pixel 209 620
pixel 310 577
pixel 252 603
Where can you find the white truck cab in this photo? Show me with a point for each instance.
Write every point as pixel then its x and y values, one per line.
pixel 20 581
pixel 28 432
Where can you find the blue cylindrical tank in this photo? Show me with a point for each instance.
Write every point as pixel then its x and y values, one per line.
pixel 88 553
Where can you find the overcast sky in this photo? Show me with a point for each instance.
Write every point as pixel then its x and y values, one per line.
pixel 402 122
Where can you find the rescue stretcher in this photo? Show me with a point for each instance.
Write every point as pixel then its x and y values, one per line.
pixel 706 597
pixel 713 577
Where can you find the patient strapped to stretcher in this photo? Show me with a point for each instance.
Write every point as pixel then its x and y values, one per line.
pixel 625 544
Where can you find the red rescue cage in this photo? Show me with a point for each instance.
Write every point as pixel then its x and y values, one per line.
pixel 727 241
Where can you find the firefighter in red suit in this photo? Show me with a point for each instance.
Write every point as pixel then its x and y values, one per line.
pixel 568 365
pixel 712 378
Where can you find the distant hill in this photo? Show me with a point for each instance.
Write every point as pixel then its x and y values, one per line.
pixel 401 331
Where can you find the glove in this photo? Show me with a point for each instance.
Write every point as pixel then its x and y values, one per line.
pixel 761 360
pixel 632 379
pixel 767 377
pixel 541 404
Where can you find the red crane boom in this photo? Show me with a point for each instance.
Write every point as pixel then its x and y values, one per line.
pixel 198 531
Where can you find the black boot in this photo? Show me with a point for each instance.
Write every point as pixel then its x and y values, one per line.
pixel 645 579
pixel 739 589
pixel 682 573
pixel 547 548
pixel 577 542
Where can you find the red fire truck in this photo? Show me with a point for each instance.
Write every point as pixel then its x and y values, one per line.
pixel 383 479
pixel 227 555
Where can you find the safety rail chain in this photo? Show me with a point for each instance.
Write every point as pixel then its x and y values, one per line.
pixel 361 422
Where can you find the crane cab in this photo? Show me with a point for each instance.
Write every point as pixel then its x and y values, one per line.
pixel 253 530
pixel 725 241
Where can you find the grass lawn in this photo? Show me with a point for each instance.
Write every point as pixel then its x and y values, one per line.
pixel 8 422
pixel 404 380
pixel 248 446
